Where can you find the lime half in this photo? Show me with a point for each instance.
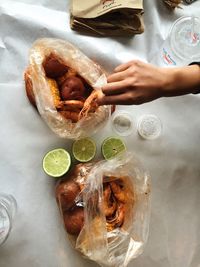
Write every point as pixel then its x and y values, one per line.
pixel 84 149
pixel 56 162
pixel 112 146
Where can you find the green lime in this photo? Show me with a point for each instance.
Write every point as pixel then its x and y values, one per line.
pixel 111 147
pixel 56 162
pixel 84 149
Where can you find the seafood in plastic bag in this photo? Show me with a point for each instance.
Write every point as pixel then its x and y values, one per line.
pixel 105 207
pixel 61 82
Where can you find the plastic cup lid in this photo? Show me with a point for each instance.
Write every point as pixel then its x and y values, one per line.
pixel 122 123
pixel 149 126
pixel 185 38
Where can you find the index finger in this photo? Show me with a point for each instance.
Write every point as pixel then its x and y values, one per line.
pixel 113 88
pixel 124 66
pixel 116 77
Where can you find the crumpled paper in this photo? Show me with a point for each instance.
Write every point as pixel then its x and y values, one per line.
pixel 107 17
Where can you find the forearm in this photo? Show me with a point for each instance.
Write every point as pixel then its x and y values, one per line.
pixel 182 80
pixel 136 82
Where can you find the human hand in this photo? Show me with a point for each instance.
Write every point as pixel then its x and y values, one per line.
pixel 137 82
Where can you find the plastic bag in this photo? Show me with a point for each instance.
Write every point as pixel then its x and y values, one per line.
pixel 86 68
pixel 97 238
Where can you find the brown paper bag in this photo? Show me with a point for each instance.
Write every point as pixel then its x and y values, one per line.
pixel 107 17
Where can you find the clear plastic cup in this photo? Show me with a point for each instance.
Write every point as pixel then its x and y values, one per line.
pixel 122 123
pixel 182 46
pixel 149 126
pixel 8 207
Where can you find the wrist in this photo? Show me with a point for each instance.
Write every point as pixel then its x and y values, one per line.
pixel 197 68
pixel 170 85
pixel 181 80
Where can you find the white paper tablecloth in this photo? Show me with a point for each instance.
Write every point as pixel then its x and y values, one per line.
pixel 37 239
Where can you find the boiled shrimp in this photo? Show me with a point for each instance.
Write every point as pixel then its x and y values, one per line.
pixel 117 220
pixel 118 190
pixel 109 202
pixel 91 103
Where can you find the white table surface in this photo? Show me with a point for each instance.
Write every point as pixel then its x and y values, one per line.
pixel 173 160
